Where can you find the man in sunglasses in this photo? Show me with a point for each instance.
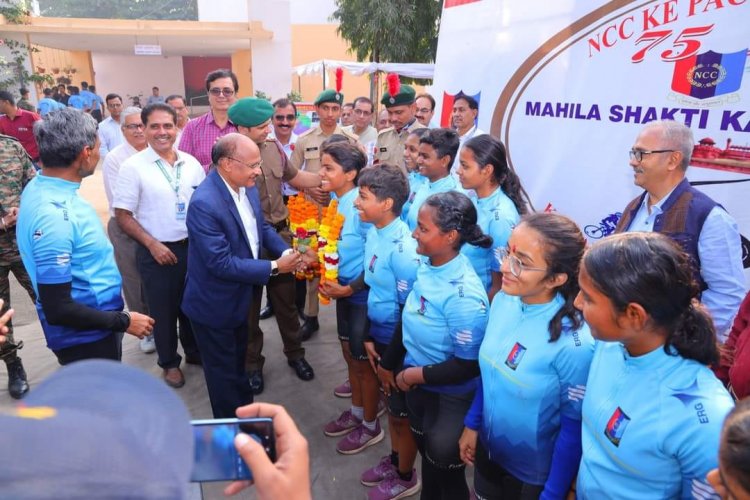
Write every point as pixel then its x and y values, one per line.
pixel 200 135
pixel 669 204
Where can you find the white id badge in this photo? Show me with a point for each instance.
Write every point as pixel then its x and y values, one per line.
pixel 180 209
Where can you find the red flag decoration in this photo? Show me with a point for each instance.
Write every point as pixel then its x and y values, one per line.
pixel 456 3
pixel 339 79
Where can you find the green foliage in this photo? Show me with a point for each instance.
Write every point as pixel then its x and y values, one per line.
pixel 262 95
pixel 13 71
pixel 390 30
pixel 185 10
pixel 15 12
pixel 294 96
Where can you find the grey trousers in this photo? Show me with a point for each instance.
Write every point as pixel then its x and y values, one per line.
pixel 125 248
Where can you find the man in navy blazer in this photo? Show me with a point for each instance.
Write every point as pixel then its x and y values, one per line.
pixel 226 230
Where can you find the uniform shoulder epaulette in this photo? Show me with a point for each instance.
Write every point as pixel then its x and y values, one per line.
pixel 350 135
pixel 306 133
pixel 386 130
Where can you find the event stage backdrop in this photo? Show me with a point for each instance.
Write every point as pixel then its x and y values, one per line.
pixel 567 85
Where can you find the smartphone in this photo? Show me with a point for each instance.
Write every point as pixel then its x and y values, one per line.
pixel 216 458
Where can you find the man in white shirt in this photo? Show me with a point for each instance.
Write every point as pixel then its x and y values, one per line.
pixel 110 133
pixel 153 192
pixel 125 246
pixel 362 126
pixel 464 116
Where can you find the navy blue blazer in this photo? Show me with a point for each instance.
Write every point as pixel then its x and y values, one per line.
pixel 221 269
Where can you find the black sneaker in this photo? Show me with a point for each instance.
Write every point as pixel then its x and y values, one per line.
pixel 18 385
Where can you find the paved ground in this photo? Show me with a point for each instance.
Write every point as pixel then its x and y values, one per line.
pixel 311 404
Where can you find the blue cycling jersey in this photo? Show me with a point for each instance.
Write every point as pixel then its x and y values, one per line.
pixel 651 426
pixel 497 216
pixel 425 191
pixel 62 240
pixel 445 317
pixel 352 244
pixel 76 101
pixel 415 182
pixel 391 264
pixel 529 383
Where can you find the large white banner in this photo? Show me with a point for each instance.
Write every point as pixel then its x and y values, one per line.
pixel 567 85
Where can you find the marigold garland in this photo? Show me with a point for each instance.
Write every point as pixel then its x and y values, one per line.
pixel 303 222
pixel 328 241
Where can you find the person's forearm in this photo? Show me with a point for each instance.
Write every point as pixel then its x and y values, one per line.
pixel 451 371
pixel 305 180
pixel 60 309
pixel 133 228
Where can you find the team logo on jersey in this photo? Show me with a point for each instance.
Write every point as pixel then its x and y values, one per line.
pixel 459 284
pixel 371 267
pixel 422 305
pixel 616 426
pixel 37 234
pixel 515 356
pixel 688 395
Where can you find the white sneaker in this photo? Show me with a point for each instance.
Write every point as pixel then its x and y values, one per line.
pixel 147 344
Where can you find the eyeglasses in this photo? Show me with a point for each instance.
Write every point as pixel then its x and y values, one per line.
pixel 216 91
pixel 424 110
pixel 637 155
pixel 514 263
pixel 251 166
pixel 362 112
pixel 281 118
pixel 135 126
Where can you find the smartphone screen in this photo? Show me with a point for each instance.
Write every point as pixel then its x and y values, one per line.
pixel 216 458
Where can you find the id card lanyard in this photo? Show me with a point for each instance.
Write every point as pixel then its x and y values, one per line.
pixel 180 206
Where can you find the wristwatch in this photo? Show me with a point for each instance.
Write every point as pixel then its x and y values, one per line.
pixel 274 268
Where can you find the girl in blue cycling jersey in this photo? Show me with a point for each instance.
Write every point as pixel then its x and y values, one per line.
pixel 534 362
pixel 411 154
pixel 653 409
pixel 443 323
pixel 483 168
pixel 731 479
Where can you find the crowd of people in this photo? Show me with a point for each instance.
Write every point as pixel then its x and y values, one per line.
pixel 492 336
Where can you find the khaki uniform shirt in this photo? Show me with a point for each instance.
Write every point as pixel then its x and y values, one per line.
pixel 306 154
pixel 16 170
pixel 275 170
pixel 389 147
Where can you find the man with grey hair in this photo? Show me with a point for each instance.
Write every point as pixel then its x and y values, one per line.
pixel 670 205
pixel 124 245
pixel 63 246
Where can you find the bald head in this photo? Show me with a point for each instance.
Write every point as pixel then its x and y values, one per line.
pixel 237 160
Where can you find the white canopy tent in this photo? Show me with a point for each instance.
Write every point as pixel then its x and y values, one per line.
pixel 412 70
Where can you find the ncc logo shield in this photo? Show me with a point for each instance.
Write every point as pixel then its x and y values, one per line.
pixel 515 356
pixel 709 74
pixel 616 426
pixel 448 99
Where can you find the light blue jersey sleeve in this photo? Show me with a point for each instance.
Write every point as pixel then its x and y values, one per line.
pixel 51 247
pixel 405 265
pixel 572 365
pixel 500 229
pixel 467 321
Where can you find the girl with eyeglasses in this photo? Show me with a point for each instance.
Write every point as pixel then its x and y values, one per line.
pixel 731 479
pixel 483 168
pixel 443 323
pixel 653 410
pixel 534 363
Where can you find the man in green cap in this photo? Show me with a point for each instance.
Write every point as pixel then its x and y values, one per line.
pixel 402 110
pixel 253 119
pixel 306 156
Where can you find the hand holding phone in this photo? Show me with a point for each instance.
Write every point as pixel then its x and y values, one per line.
pixel 289 477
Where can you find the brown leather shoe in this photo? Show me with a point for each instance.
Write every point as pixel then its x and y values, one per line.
pixel 174 377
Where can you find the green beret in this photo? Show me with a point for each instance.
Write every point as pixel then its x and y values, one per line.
pixel 330 95
pixel 250 112
pixel 406 95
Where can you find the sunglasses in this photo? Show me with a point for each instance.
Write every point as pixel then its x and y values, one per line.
pixel 281 118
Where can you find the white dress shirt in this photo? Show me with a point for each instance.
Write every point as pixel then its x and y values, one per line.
pixel 110 135
pixel 111 169
pixel 247 216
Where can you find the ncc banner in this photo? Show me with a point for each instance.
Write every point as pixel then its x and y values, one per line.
pixel 567 86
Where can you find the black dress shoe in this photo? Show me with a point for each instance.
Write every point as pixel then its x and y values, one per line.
pixel 18 385
pixel 302 368
pixel 311 326
pixel 256 381
pixel 266 312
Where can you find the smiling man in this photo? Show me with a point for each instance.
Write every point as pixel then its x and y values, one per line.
pixel 233 252
pixel 153 193
pixel 670 205
pixel 402 109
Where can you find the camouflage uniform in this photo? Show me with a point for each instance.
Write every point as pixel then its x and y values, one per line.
pixel 16 170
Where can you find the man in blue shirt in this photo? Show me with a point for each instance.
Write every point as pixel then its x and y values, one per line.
pixel 76 100
pixel 47 104
pixel 670 205
pixel 63 246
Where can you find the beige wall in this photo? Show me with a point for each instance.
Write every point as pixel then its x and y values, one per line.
pixel 242 66
pixel 311 42
pixel 49 59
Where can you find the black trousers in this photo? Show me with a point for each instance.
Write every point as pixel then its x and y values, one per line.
pixel 223 353
pixel 493 482
pixel 110 347
pixel 164 286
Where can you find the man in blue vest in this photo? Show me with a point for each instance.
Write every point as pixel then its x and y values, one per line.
pixel 670 205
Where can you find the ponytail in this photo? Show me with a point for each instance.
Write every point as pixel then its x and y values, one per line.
pixel 690 336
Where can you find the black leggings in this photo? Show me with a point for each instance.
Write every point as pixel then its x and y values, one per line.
pixel 493 482
pixel 437 421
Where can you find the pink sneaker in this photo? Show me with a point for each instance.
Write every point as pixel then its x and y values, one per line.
pixel 395 488
pixel 359 439
pixel 375 475
pixel 345 423
pixel 344 390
